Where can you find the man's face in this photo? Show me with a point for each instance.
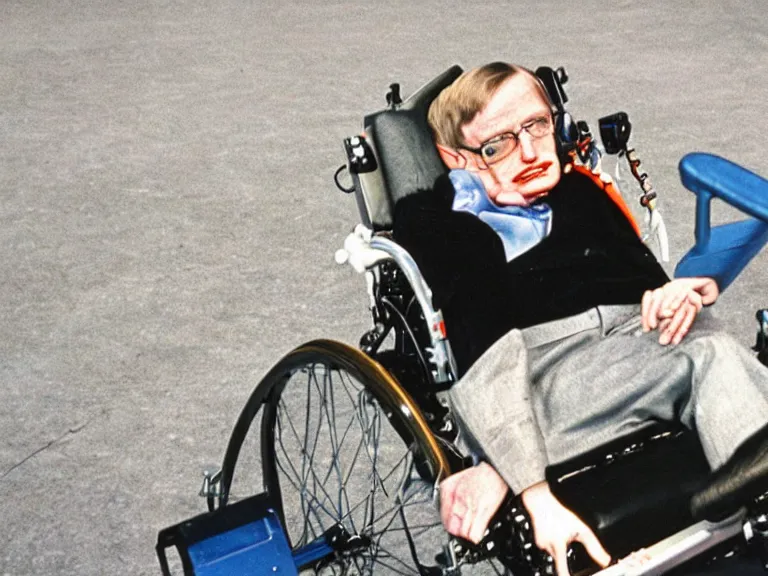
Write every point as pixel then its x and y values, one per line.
pixel 532 169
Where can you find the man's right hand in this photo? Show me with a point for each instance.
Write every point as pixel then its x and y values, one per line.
pixel 555 527
pixel 469 499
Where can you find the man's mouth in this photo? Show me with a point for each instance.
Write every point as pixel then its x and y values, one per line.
pixel 532 173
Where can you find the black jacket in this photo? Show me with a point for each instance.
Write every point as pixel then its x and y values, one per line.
pixel 592 256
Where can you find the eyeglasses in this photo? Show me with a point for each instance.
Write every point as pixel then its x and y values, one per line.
pixel 501 146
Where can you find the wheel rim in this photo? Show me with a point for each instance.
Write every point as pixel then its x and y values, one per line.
pixel 332 454
pixel 407 427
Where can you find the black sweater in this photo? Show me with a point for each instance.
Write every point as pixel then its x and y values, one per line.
pixel 592 256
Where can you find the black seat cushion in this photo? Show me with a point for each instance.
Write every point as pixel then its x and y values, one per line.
pixel 636 490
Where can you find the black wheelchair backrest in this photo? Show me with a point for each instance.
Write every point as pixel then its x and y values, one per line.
pixel 402 158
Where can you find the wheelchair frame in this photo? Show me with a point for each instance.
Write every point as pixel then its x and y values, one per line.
pixel 406 362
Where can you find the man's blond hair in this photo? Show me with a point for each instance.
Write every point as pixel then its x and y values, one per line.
pixel 460 102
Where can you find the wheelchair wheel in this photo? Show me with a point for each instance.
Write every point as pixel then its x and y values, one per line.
pixel 349 461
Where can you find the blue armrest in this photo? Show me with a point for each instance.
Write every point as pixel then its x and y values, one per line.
pixel 722 252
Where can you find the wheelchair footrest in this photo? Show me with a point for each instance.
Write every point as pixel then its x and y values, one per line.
pixel 242 538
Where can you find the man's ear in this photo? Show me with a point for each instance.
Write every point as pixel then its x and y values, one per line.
pixel 450 157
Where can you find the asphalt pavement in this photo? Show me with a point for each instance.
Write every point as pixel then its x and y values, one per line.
pixel 169 218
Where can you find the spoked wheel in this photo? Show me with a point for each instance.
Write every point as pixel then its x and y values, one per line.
pixel 350 460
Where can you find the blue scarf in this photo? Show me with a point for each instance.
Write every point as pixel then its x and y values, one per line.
pixel 519 227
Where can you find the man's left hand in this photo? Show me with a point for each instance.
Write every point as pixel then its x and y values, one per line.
pixel 672 308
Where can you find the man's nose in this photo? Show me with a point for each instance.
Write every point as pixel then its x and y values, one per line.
pixel 527 147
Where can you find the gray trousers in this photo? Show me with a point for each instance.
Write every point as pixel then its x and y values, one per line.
pixel 553 391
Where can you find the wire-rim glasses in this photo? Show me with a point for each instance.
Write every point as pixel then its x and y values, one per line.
pixel 501 146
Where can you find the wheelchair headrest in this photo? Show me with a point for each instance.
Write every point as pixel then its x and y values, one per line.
pixel 405 151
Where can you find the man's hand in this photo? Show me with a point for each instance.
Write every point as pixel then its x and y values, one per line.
pixel 672 308
pixel 555 527
pixel 469 499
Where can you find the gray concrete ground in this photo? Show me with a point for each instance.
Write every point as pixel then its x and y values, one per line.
pixel 169 220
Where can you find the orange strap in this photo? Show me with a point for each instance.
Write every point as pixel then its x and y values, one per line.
pixel 613 193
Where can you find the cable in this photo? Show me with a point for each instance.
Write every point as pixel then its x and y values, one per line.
pixel 338 184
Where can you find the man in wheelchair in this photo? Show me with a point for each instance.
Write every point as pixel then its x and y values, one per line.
pixel 576 366
pixel 566 331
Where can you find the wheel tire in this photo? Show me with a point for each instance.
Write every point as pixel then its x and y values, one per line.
pixel 344 450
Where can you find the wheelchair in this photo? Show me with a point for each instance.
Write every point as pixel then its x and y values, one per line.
pixel 352 443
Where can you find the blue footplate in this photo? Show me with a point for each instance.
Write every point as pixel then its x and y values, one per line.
pixel 722 252
pixel 242 538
